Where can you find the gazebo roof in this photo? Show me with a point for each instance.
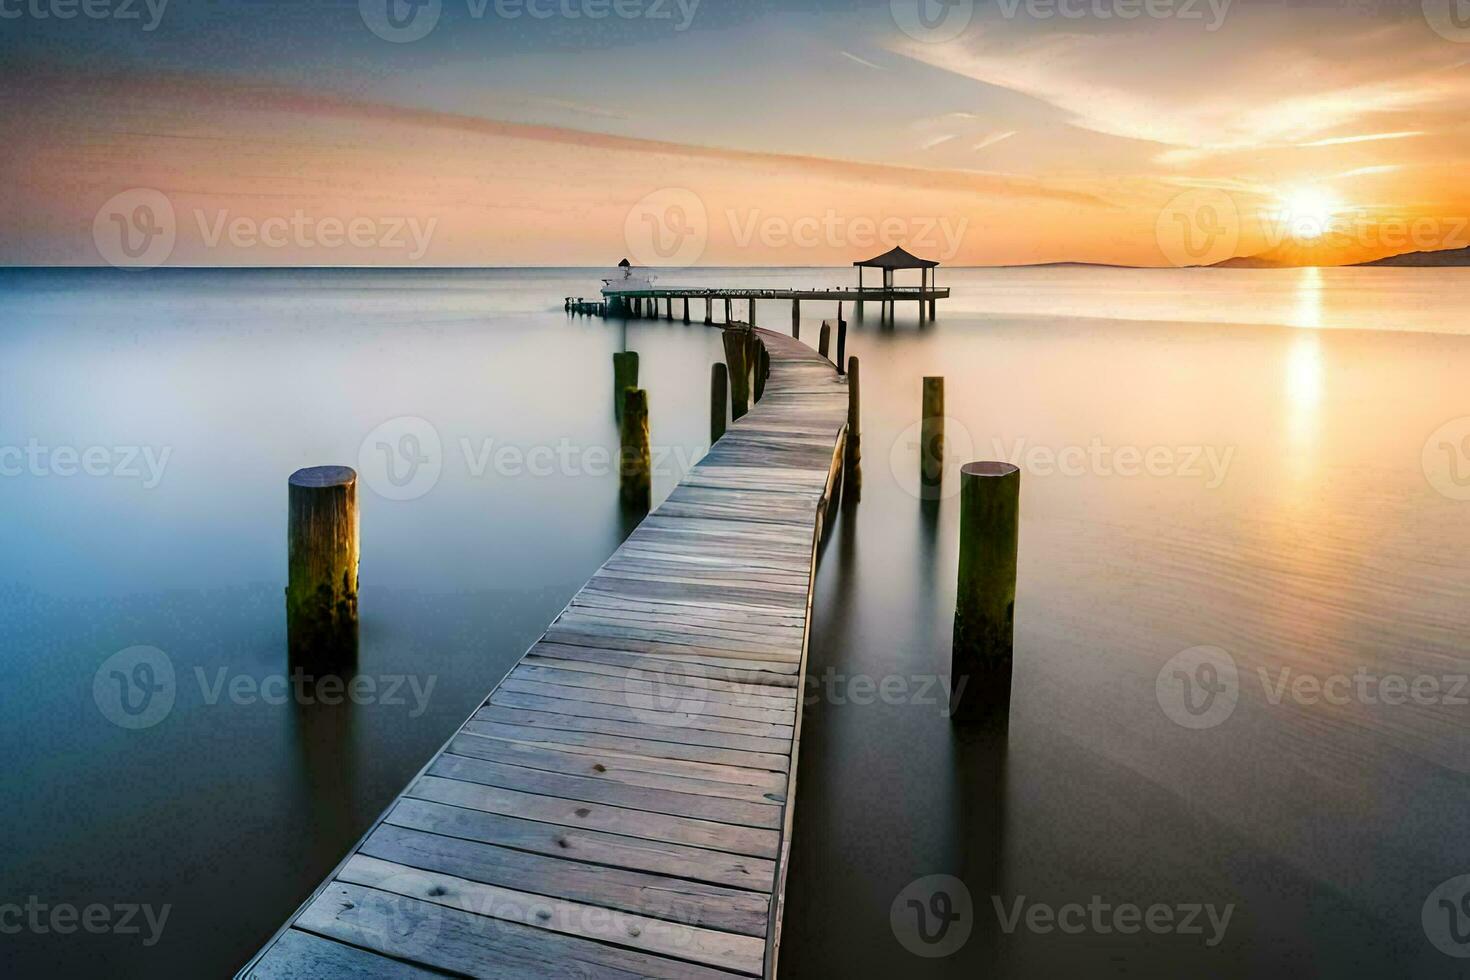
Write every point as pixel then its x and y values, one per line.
pixel 898 258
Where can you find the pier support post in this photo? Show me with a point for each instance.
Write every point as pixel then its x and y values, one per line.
pixel 824 339
pixel 719 400
pixel 931 439
pixel 625 375
pixel 635 462
pixel 736 347
pixel 762 369
pixel 727 311
pixel 686 309
pixel 709 310
pixel 796 319
pixel 322 566
pixel 841 340
pixel 852 458
pixel 985 602
pixel 752 311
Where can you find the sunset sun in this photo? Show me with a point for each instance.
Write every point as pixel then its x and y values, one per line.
pixel 1306 213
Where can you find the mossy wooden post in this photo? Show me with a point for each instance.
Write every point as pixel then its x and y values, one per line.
pixel 735 350
pixel 985 602
pixel 625 375
pixel 824 339
pixel 322 559
pixel 852 459
pixel 635 462
pixel 719 400
pixel 931 439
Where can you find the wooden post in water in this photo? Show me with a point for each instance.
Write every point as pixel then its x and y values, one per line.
pixel 719 400
pixel 841 340
pixel 625 375
pixel 752 311
pixel 762 369
pixel 796 318
pixel 735 357
pixel 931 439
pixel 727 310
pixel 635 462
pixel 824 339
pixel 686 309
pixel 985 602
pixel 322 565
pixel 852 459
pixel 709 309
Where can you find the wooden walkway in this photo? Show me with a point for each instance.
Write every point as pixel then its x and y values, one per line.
pixel 621 804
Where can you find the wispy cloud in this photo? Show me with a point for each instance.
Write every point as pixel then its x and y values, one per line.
pixel 862 61
pixel 993 139
pixel 939 141
pixel 1365 138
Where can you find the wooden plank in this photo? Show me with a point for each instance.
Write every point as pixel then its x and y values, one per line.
pixel 618 805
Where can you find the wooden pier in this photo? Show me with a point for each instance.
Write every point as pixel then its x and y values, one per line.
pixel 621 804
pixel 658 301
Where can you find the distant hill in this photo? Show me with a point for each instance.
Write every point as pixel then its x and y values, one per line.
pixel 1439 259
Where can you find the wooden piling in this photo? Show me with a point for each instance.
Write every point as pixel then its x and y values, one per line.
pixel 727 311
pixel 824 339
pixel 762 369
pixel 719 400
pixel 635 462
pixel 841 340
pixel 709 309
pixel 625 375
pixel 322 566
pixel 735 357
pixel 852 460
pixel 796 318
pixel 752 311
pixel 985 601
pixel 686 309
pixel 931 438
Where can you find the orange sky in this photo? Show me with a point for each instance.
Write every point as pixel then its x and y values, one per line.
pixel 1316 134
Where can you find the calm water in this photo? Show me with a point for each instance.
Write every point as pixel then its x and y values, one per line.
pixel 1263 463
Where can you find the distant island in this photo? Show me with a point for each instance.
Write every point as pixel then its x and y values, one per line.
pixel 1300 255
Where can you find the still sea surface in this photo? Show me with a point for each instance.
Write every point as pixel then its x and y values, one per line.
pixel 1241 620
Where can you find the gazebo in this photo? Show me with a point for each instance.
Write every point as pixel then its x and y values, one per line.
pixel 895 258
